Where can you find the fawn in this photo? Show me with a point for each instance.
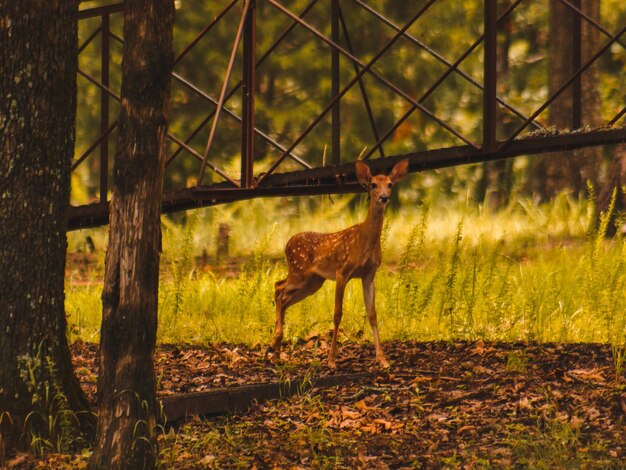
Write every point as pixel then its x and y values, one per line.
pixel 352 253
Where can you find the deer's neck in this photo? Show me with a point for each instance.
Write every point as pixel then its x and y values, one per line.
pixel 372 227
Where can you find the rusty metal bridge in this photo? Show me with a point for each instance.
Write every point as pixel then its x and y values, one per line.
pixel 289 170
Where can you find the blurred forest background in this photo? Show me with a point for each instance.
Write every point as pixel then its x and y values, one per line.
pixel 294 85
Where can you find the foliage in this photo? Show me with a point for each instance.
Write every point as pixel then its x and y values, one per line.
pixel 527 273
pixel 443 404
pixel 294 86
pixel 51 426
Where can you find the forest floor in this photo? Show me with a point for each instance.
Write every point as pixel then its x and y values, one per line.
pixel 441 404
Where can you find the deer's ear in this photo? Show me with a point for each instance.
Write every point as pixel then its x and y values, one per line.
pixel 399 171
pixel 363 173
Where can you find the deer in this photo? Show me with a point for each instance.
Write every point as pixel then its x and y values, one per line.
pixel 355 252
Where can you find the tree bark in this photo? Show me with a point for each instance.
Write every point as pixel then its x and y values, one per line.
pixel 557 171
pixel 38 53
pixel 127 405
pixel 589 160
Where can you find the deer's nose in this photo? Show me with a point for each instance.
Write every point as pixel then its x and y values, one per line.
pixel 384 199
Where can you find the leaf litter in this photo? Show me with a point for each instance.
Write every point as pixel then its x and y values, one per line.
pixel 454 404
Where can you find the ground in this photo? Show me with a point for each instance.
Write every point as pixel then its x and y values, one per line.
pixel 441 404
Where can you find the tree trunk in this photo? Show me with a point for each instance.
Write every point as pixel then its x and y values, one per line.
pixel 127 405
pixel 38 388
pixel 557 171
pixel 589 160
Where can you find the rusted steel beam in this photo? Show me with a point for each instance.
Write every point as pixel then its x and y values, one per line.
pixel 238 85
pixel 446 62
pixel 334 84
pixel 89 39
pixel 94 145
pixel 238 399
pixel 462 155
pixel 204 31
pixel 366 101
pixel 94 215
pixel 99 11
pixel 213 167
pixel 104 108
pixel 617 117
pixel 366 68
pixel 452 67
pixel 577 9
pixel 247 96
pixel 324 180
pixel 220 104
pixel 490 71
pixel 577 59
pixel 556 94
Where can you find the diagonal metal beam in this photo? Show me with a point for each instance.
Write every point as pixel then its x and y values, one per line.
pixel 564 86
pixel 189 149
pixel 444 61
pixel 617 117
pixel 170 136
pixel 204 31
pixel 366 100
pixel 234 90
pixel 89 39
pixel 220 103
pixel 93 146
pixel 591 21
pixel 365 68
pixel 228 111
pixel 450 69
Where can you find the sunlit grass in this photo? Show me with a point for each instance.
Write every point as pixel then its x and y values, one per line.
pixel 525 273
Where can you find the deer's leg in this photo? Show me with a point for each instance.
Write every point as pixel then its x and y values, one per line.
pixel 289 292
pixel 339 291
pixel 370 307
pixel 280 316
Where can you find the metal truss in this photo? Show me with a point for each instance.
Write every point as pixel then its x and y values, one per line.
pixel 338 177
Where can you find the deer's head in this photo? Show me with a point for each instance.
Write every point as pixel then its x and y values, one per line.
pixel 379 186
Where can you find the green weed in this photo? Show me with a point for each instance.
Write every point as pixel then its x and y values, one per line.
pixel 530 273
pixel 51 426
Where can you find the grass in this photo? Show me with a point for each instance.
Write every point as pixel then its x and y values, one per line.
pixel 530 272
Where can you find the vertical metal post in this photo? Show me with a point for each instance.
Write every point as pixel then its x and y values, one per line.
pixel 490 75
pixel 248 91
pixel 335 77
pixel 577 58
pixel 104 109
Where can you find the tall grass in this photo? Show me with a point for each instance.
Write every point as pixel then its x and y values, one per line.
pixel 526 273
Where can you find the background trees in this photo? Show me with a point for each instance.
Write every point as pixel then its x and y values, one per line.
pixel 39 394
pixel 293 84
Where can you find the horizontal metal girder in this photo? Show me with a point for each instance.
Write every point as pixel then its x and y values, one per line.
pixel 340 179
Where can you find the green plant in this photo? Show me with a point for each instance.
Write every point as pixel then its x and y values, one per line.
pixel 51 426
pixel 528 273
pixel 516 362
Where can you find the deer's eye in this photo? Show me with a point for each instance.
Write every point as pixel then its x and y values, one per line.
pixel 373 186
pixel 390 185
